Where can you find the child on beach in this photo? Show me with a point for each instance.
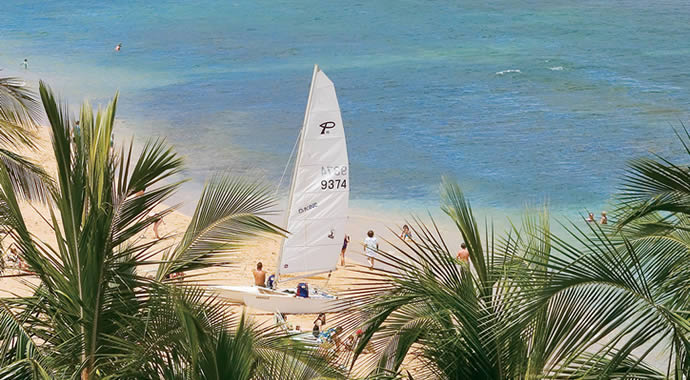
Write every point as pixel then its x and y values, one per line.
pixel 371 246
pixel 406 235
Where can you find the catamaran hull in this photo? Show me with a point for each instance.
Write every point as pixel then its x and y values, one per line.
pixel 272 301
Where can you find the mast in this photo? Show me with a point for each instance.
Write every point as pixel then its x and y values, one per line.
pixel 294 170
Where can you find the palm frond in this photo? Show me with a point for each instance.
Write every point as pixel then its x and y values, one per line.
pixel 19 113
pixel 654 185
pixel 29 179
pixel 228 214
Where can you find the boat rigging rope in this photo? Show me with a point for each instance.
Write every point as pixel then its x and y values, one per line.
pixel 288 162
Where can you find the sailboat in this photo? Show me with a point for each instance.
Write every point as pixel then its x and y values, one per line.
pixel 317 209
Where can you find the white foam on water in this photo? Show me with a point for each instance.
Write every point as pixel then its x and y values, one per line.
pixel 556 68
pixel 516 71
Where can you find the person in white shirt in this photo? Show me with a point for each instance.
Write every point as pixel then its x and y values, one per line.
pixel 371 246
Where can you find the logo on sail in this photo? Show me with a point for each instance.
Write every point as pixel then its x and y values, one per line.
pixel 308 207
pixel 325 126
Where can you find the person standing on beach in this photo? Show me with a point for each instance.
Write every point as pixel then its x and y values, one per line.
pixel 604 219
pixel 259 275
pixel 463 253
pixel 371 246
pixel 346 240
pixel 76 130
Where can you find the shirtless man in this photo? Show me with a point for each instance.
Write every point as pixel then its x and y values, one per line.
pixel 463 253
pixel 259 275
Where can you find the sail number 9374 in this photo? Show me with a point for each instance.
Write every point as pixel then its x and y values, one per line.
pixel 336 183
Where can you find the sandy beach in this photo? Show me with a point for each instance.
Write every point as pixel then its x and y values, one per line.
pixel 239 273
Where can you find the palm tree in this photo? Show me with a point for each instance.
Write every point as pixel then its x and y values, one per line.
pixel 19 114
pixel 93 313
pixel 531 305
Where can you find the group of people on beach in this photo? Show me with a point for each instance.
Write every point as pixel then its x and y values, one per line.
pixel 326 336
pixel 371 246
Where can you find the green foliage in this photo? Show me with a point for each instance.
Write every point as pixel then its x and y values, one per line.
pixel 599 302
pixel 92 313
pixel 19 110
pixel 595 304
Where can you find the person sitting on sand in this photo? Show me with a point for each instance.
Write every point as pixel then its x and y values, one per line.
pixel 319 322
pixel 371 246
pixel 604 219
pixel 352 341
pixel 335 338
pixel 590 218
pixel 259 275
pixel 346 240
pixel 463 253
pixel 405 234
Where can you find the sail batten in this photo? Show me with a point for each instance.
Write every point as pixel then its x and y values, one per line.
pixel 318 203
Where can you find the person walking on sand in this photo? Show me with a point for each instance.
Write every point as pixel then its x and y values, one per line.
pixel 463 253
pixel 346 240
pixel 259 275
pixel 604 219
pixel 371 246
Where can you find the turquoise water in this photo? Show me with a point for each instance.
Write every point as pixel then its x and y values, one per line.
pixel 520 101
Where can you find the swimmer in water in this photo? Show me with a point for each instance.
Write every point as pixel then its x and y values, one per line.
pixel 25 64
pixel 118 47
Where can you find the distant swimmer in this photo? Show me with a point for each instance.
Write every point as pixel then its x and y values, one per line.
pixel 590 218
pixel 118 47
pixel 604 218
pixel 25 64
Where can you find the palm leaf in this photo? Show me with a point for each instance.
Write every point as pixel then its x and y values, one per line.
pixel 227 216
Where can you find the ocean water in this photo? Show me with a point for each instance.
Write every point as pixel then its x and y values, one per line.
pixel 523 102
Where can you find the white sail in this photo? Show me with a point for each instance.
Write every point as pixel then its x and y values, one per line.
pixel 317 209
